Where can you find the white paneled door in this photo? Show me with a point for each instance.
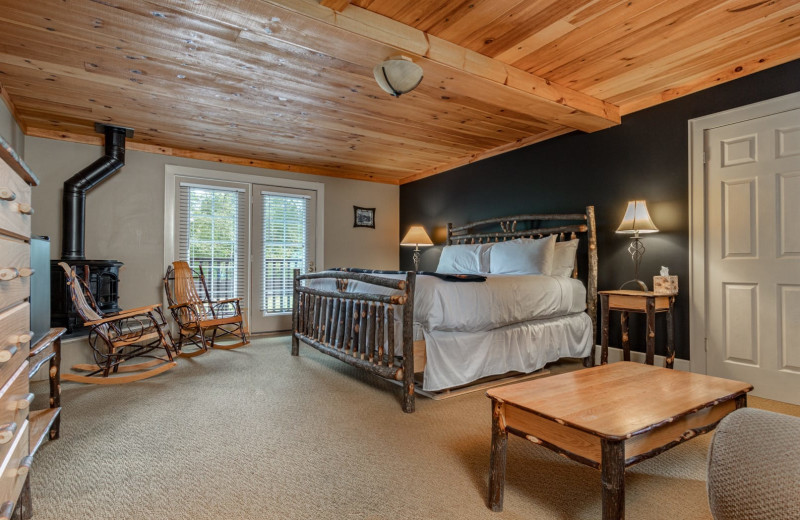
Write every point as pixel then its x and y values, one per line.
pixel 753 253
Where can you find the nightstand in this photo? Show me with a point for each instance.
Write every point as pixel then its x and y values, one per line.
pixel 645 302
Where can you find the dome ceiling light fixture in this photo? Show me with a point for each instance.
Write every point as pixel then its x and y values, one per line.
pixel 398 75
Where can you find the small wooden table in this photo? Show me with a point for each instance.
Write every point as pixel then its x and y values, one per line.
pixel 607 417
pixel 46 423
pixel 646 302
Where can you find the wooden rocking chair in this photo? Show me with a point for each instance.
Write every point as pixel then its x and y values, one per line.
pixel 197 316
pixel 119 337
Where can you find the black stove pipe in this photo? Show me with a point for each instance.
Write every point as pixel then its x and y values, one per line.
pixel 75 188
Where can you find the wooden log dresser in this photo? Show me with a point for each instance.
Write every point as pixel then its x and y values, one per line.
pixel 17 444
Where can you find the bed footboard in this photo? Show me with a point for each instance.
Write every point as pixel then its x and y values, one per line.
pixel 358 327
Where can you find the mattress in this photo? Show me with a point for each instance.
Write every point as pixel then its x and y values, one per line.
pixel 478 306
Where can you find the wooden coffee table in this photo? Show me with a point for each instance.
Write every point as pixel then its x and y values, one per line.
pixel 608 417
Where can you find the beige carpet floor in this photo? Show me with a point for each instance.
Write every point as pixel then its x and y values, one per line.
pixel 257 434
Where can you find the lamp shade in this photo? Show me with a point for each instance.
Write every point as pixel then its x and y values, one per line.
pixel 416 236
pixel 637 219
pixel 398 75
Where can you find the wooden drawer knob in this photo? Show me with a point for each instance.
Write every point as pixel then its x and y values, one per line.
pixel 25 208
pixel 25 337
pixel 25 402
pixel 7 353
pixel 9 273
pixel 24 466
pixel 7 194
pixel 7 432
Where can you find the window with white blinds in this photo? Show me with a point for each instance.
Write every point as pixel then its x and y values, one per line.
pixel 285 238
pixel 213 233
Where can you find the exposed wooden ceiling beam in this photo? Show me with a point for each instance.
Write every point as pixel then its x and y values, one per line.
pixel 452 70
pixel 336 5
pixel 585 112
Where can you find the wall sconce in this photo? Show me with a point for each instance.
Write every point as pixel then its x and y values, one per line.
pixel 398 75
pixel 636 220
pixel 416 237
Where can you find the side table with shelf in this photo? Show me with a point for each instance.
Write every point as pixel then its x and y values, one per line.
pixel 645 302
pixel 45 423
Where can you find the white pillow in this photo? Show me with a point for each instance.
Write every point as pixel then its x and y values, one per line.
pixel 464 259
pixel 523 256
pixel 564 258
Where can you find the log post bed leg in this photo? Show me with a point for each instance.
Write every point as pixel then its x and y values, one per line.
pixel 408 345
pixel 295 328
pixel 591 282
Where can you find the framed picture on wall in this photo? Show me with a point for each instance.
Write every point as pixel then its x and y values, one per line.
pixel 363 217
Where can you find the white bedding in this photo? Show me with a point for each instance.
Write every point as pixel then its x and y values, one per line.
pixel 477 306
pixel 459 358
pixel 477 329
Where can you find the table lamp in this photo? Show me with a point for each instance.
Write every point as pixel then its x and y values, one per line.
pixel 636 220
pixel 416 237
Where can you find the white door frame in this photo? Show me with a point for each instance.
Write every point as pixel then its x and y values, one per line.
pixel 171 171
pixel 697 212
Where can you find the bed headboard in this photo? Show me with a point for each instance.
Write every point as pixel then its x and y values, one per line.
pixel 566 226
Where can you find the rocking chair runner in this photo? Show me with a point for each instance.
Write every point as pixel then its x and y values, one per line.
pixel 196 315
pixel 119 337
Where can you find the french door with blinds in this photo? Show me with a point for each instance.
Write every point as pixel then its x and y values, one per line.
pixel 248 239
pixel 283 231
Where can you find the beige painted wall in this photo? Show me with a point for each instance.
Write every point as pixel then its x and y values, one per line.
pixel 125 213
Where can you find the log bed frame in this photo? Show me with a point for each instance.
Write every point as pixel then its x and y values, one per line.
pixel 332 321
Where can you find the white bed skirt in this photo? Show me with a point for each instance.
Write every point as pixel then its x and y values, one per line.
pixel 458 358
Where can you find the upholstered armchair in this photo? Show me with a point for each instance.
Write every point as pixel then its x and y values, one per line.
pixel 754 467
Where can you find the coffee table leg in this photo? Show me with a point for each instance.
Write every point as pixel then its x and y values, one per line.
pixel 497 464
pixel 612 470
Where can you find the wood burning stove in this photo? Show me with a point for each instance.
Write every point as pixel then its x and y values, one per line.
pixel 102 276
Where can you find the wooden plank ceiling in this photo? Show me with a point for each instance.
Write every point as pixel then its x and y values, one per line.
pixel 288 84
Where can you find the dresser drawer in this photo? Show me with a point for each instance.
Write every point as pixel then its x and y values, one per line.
pixel 15 398
pixel 13 217
pixel 14 469
pixel 13 323
pixel 15 262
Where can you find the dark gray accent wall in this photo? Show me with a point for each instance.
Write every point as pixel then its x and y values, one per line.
pixel 646 157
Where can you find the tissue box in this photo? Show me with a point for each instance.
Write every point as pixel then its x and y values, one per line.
pixel 665 285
